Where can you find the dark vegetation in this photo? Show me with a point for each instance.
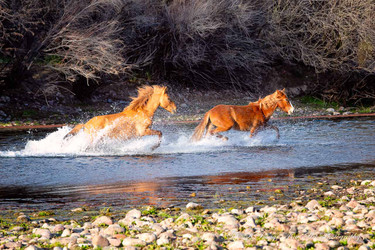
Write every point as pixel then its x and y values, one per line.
pixel 49 47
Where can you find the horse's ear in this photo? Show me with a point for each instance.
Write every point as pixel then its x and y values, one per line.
pixel 283 90
pixel 164 90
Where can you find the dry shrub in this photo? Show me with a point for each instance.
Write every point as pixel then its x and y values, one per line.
pixel 202 42
pixel 336 35
pixel 84 40
pixel 206 43
pixel 50 39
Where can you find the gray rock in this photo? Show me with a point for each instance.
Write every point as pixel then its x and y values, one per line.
pixel 293 243
pixel 312 205
pixel 209 237
pixel 134 213
pixel 58 228
pixel 325 229
pixel 329 193
pixel 337 222
pixel 133 242
pixel 355 241
pixel 100 241
pixel 167 223
pixel 78 210
pixel 162 241
pixel 333 243
pixel 364 247
pixel 193 206
pixel 17 229
pixel 183 217
pixel 147 237
pixel 168 234
pixel 103 220
pixel 249 222
pixel 236 245
pixel 229 220
pixel 157 228
pixel 250 210
pixel 31 247
pixel 366 182
pixel 114 242
pixel 45 233
pixel 87 225
pixel 114 229
pixel 313 218
pixel 23 218
pixel 321 246
pixel 66 233
pixel 13 245
pixel 352 204
pixel 237 211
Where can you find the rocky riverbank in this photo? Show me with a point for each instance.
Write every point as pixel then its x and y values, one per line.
pixel 337 217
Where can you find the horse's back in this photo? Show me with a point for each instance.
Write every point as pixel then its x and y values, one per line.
pixel 237 117
pixel 220 115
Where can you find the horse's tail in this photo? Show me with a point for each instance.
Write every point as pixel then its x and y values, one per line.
pixel 74 131
pixel 199 130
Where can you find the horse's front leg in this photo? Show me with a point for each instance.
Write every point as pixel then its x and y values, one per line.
pixel 276 129
pixel 253 131
pixel 154 132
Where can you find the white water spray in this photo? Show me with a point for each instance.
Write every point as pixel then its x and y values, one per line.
pixel 53 145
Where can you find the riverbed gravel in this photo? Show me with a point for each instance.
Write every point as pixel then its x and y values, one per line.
pixel 341 218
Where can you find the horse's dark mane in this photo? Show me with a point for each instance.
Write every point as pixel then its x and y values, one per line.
pixel 141 100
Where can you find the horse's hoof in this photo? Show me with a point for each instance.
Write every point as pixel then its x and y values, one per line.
pixel 224 138
pixel 155 147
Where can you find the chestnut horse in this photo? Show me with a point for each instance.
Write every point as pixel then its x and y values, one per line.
pixel 134 121
pixel 251 117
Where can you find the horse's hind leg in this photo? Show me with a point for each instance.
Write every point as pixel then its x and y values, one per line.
pixel 217 130
pixel 276 129
pixel 209 130
pixel 154 132
pixel 253 131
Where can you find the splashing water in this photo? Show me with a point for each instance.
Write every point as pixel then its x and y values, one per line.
pixel 54 145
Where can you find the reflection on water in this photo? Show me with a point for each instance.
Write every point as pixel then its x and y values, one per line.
pixel 39 170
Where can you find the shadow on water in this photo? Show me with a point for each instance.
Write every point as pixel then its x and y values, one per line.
pixel 209 190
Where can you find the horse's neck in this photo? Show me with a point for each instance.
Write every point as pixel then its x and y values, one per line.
pixel 268 108
pixel 152 105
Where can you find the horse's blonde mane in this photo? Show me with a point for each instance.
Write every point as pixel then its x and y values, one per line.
pixel 139 102
pixel 269 100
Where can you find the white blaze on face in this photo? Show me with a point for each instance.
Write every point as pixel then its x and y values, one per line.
pixel 291 109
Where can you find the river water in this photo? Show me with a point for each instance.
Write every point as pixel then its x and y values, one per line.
pixel 41 170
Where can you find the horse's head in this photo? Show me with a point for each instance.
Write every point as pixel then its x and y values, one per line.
pixel 283 103
pixel 166 102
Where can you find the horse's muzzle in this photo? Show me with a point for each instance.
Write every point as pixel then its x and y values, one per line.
pixel 172 108
pixel 290 111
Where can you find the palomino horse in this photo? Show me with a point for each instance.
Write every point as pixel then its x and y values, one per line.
pixel 251 117
pixel 134 121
